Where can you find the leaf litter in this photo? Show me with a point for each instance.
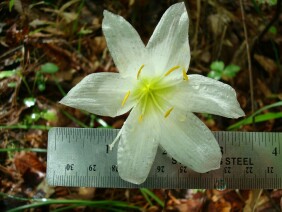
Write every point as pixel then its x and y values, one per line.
pixel 48 47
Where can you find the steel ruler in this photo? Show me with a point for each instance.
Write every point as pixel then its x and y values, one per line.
pixel 81 157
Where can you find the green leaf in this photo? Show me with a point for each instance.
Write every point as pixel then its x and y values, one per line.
pixel 49 68
pixel 49 115
pixel 84 31
pixel 262 117
pixel 250 119
pixel 12 84
pixel 267 117
pixel 41 86
pixel 11 4
pixel 215 75
pixel 273 30
pixel 5 74
pixel 217 66
pixel 231 70
pixel 272 2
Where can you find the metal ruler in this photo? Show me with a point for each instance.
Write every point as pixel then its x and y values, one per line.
pixel 81 157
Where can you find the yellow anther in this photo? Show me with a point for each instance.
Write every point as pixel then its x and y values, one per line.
pixel 171 70
pixel 139 71
pixel 140 118
pixel 185 77
pixel 168 112
pixel 125 98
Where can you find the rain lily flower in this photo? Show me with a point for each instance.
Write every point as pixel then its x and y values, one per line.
pixel 153 84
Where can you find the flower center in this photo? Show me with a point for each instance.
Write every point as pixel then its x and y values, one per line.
pixel 151 92
pixel 148 95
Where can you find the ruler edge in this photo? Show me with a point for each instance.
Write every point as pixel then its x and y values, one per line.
pixel 128 185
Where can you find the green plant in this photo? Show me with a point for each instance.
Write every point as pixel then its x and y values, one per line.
pixel 5 74
pixel 11 4
pixel 47 68
pixel 150 195
pixel 32 203
pixel 257 117
pixel 220 71
pixel 270 2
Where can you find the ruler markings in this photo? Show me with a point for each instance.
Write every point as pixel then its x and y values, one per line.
pixel 245 163
pixel 72 180
pixel 53 178
pixel 252 144
pixel 279 142
pixel 265 140
pixel 55 141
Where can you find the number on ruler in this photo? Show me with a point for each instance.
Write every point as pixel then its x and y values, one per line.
pixel 69 167
pixel 274 152
pixel 160 169
pixel 173 161
pixel 183 169
pixel 92 168
pixel 227 170
pixel 114 168
pixel 249 170
pixel 270 170
pixel 221 149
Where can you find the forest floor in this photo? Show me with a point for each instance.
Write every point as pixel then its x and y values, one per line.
pixel 47 47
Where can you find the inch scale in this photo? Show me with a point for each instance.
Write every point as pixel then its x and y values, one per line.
pixel 81 157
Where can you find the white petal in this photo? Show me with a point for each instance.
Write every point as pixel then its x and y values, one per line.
pixel 101 94
pixel 169 45
pixel 124 43
pixel 190 142
pixel 137 147
pixel 204 95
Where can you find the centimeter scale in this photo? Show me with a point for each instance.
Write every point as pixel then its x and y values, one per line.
pixel 81 157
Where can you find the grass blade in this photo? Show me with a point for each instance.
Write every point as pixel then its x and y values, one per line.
pixel 152 195
pixel 250 119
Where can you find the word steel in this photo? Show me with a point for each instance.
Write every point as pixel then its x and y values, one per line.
pixel 81 157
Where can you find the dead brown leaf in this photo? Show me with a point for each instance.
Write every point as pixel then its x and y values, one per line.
pixel 25 161
pixel 268 64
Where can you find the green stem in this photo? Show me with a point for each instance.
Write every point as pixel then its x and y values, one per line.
pixel 58 85
pixel 23 149
pixel 25 83
pixel 74 119
pixel 26 127
pixel 44 201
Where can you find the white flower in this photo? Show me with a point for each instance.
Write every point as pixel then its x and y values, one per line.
pixel 152 81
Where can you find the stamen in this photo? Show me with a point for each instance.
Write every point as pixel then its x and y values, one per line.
pixel 168 112
pixel 125 98
pixel 171 70
pixel 185 77
pixel 140 118
pixel 139 71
